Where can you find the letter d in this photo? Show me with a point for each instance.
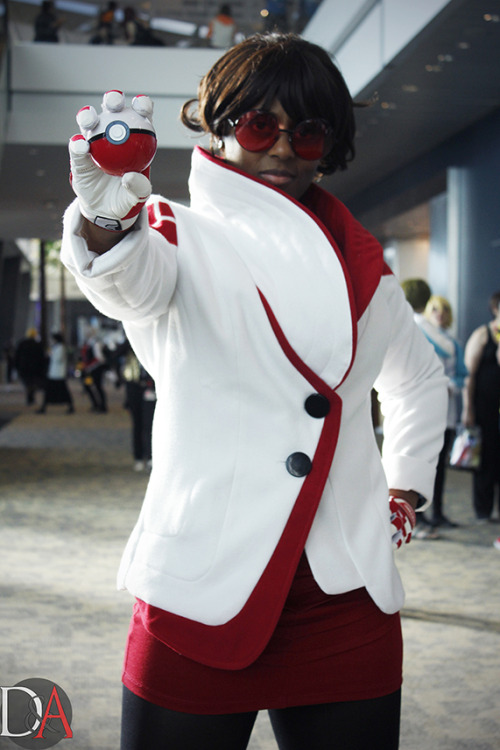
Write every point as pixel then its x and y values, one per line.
pixel 5 710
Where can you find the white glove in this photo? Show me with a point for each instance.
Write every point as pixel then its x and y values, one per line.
pixel 124 142
pixel 403 521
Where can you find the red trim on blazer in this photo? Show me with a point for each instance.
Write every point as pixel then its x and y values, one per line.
pixel 386 271
pixel 162 218
pixel 237 643
pixel 362 253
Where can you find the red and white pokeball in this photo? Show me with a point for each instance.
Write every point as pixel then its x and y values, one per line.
pixel 122 142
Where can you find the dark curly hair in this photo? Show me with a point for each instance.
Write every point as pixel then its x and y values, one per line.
pixel 266 67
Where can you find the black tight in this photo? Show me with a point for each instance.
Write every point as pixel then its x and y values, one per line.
pixel 149 727
pixel 355 725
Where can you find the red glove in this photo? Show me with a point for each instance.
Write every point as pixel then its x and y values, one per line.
pixel 403 521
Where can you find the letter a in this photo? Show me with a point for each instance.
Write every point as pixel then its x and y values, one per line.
pixel 61 715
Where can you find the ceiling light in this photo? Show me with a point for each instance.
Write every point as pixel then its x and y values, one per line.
pixel 492 17
pixel 388 105
pixel 445 58
pixel 433 68
pixel 409 88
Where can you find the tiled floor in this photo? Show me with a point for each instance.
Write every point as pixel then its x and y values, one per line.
pixel 68 499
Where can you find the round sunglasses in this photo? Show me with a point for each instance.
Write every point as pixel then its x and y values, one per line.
pixel 257 130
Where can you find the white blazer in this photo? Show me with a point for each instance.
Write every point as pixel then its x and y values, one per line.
pixel 241 307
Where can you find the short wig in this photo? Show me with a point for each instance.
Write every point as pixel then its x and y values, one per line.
pixel 276 66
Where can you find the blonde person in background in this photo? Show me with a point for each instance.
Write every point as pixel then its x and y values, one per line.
pixel 435 324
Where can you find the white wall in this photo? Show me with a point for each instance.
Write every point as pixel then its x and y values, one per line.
pixel 51 82
pixel 408 259
pixel 83 68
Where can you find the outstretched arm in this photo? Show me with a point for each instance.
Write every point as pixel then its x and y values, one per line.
pixel 126 270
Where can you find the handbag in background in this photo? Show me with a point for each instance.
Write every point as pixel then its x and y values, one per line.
pixel 466 449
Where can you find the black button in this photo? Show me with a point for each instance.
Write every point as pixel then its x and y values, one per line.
pixel 317 405
pixel 298 464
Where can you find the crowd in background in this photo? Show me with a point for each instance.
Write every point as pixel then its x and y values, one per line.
pixel 103 359
pixel 474 402
pixel 129 25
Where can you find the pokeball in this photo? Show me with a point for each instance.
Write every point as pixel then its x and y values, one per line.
pixel 122 142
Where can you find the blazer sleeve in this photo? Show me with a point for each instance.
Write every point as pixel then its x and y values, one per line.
pixel 132 282
pixel 412 389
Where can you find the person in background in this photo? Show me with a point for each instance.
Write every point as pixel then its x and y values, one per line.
pixel 56 387
pixel 417 292
pixel 436 322
pixel 9 354
pixel 137 32
pixel 106 26
pixel 93 367
pixel 112 340
pixel 262 560
pixel 140 400
pixel 47 23
pixel 31 364
pixel 481 397
pixel 222 28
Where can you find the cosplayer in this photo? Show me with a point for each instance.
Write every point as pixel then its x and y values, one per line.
pixel 262 561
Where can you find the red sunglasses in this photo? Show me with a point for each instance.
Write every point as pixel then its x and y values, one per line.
pixel 257 130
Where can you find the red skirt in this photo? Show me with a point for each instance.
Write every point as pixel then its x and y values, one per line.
pixel 324 649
